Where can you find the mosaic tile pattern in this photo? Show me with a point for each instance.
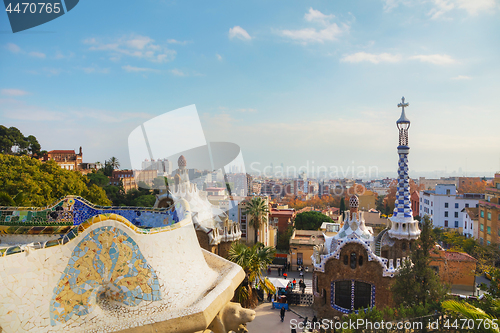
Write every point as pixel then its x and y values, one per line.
pixel 403 204
pixel 106 263
pixel 71 211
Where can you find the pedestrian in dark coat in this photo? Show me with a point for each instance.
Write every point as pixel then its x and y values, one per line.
pixel 282 313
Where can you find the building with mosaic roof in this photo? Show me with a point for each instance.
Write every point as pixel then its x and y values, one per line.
pixel 354 269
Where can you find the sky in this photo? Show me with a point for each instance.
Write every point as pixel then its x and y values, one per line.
pixel 299 83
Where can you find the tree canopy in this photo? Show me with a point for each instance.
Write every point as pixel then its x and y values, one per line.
pixel 41 183
pixel 310 220
pixel 253 260
pixel 416 282
pixel 13 142
pixel 257 210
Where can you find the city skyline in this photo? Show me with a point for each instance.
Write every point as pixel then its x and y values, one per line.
pixel 315 82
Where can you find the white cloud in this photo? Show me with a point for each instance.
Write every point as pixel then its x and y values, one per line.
pixel 95 69
pixel 473 7
pixel 219 57
pixel 59 55
pixel 371 57
pixel 436 59
pixel 330 32
pixel 133 46
pixel 13 48
pixel 177 72
pixel 461 77
pixel 129 68
pixel 239 32
pixel 248 110
pixel 174 41
pixel 14 92
pixel 442 7
pixel 37 55
pixel 317 16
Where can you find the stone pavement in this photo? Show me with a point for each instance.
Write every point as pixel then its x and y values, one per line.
pixel 268 320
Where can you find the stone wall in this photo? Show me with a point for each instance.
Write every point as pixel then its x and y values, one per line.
pixel 335 270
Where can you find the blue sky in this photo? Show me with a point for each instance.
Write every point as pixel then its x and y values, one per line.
pixel 290 82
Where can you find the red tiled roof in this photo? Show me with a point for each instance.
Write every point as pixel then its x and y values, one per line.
pixel 61 152
pixel 458 256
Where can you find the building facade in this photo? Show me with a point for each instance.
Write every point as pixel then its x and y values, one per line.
pixel 444 206
pixel 489 218
pixel 66 159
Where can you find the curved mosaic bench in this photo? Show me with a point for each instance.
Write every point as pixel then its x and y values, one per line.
pixel 111 273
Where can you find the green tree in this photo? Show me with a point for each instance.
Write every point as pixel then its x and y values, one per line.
pixel 42 183
pixel 98 178
pixel 113 161
pixel 342 206
pixel 310 220
pixel 257 211
pixel 12 141
pixel 284 239
pixel 465 310
pixel 253 260
pixel 416 282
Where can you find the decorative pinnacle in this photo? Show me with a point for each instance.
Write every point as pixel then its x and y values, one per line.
pixel 403 104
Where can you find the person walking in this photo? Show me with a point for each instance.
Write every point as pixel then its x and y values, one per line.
pixel 279 271
pixel 282 314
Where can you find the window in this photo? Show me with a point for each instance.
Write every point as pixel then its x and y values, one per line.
pixel 456 214
pixel 360 261
pixel 353 260
pixel 445 214
pixel 446 223
pixel 456 205
pixel 488 230
pixel 362 295
pixel 448 192
pixel 432 212
pixel 481 227
pixel 482 213
pixel 346 260
pixel 467 205
pixel 352 295
pixel 489 215
pixel 456 224
pixel 343 294
pixel 481 240
pixel 445 205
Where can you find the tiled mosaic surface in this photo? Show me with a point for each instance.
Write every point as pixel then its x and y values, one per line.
pixel 76 210
pixel 108 263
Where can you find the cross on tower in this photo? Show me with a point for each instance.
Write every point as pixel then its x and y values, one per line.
pixel 403 104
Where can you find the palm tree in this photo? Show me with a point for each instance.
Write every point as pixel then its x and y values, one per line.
pixel 257 211
pixel 253 260
pixel 468 311
pixel 113 161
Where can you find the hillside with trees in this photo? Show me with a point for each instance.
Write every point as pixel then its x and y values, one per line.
pixel 30 182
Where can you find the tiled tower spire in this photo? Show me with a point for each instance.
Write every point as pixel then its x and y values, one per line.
pixel 402 224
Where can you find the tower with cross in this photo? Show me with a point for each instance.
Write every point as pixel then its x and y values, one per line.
pixel 402 224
